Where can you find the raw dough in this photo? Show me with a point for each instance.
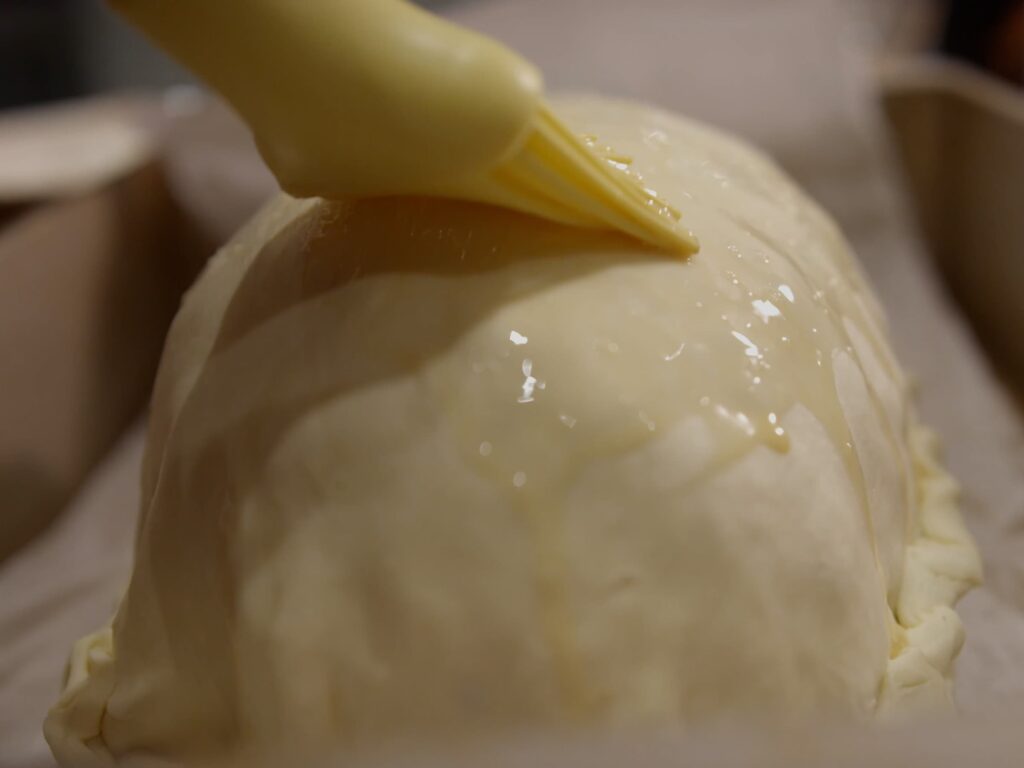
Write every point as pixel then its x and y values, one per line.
pixel 417 466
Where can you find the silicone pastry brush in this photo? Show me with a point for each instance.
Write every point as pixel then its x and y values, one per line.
pixel 378 97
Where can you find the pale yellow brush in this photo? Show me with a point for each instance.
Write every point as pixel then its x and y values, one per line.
pixel 378 97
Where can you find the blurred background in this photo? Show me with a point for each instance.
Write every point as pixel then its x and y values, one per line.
pixel 57 49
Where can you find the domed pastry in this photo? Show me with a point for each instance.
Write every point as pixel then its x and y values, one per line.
pixel 421 466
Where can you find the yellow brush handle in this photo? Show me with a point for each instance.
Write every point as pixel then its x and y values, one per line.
pixel 353 97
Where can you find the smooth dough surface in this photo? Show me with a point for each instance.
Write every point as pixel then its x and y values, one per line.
pixel 424 467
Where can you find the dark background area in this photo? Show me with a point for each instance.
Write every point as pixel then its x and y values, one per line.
pixel 59 49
